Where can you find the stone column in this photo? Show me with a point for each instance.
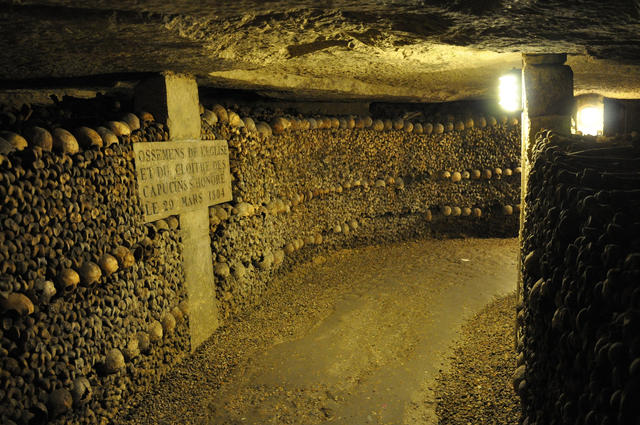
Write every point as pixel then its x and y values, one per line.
pixel 173 100
pixel 547 95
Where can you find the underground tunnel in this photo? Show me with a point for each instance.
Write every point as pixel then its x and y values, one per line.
pixel 310 212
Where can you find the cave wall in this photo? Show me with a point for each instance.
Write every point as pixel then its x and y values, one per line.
pixel 579 323
pixel 94 308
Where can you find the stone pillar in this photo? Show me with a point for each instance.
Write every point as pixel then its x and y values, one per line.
pixel 547 95
pixel 198 275
pixel 173 100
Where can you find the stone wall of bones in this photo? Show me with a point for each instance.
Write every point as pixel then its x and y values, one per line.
pixel 306 185
pixel 93 303
pixel 579 339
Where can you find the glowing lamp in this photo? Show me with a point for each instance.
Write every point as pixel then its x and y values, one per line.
pixel 590 120
pixel 509 91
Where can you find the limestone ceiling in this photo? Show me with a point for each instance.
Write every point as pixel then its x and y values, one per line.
pixel 407 50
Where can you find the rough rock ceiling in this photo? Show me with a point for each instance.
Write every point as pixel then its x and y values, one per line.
pixel 410 50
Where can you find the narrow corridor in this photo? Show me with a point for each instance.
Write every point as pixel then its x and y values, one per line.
pixel 358 339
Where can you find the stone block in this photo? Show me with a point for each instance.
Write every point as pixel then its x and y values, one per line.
pixel 198 273
pixel 173 100
pixel 548 90
pixel 544 58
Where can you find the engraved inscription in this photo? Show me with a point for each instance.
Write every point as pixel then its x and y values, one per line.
pixel 174 177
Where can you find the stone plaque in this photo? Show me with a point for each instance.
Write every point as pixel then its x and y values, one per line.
pixel 175 177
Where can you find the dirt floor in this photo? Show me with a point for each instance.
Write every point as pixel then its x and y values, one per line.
pixel 359 339
pixel 476 388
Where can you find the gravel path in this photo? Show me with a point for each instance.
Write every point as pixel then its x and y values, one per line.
pixel 477 387
pixel 358 339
